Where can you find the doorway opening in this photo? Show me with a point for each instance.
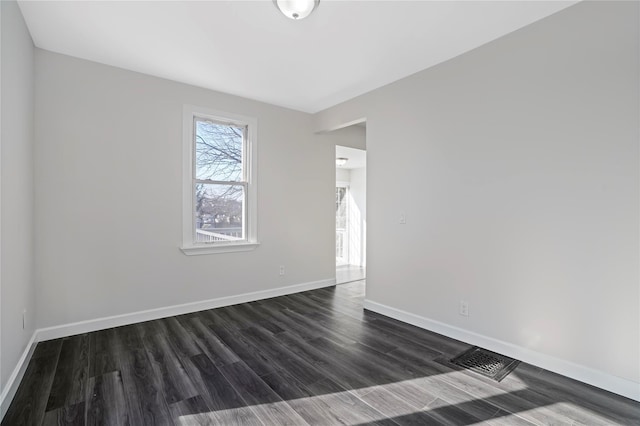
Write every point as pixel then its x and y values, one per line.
pixel 350 214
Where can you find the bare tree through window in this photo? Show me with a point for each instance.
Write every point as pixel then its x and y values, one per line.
pixel 220 184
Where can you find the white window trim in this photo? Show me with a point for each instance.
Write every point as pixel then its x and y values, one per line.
pixel 189 247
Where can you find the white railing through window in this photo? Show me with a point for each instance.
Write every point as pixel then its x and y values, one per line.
pixel 221 234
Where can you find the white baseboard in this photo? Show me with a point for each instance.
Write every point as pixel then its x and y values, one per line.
pixel 16 376
pixel 600 379
pixel 169 311
pixel 81 327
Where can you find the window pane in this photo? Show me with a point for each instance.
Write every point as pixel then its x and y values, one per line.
pixel 218 151
pixel 219 213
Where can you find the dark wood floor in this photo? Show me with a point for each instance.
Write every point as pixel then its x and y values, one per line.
pixel 310 358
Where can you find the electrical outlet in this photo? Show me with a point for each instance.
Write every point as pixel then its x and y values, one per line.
pixel 281 269
pixel 464 308
pixel 403 219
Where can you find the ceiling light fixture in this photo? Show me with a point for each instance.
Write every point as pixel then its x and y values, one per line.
pixel 341 161
pixel 296 9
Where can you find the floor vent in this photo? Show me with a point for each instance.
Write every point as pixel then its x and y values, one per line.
pixel 489 364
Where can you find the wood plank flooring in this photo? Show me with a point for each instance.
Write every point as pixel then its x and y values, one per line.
pixel 311 358
pixel 348 273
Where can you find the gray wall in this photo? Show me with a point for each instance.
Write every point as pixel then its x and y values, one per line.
pixel 351 136
pixel 517 167
pixel 17 200
pixel 108 178
pixel 343 175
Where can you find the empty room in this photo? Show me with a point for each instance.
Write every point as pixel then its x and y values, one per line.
pixel 192 191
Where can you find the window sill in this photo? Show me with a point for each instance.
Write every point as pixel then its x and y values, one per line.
pixel 194 250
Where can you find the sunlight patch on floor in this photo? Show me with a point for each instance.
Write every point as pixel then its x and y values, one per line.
pixel 572 410
pixel 323 404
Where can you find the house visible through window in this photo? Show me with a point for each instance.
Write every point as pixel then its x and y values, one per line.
pixel 221 182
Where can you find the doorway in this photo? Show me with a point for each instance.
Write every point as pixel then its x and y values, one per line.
pixel 350 214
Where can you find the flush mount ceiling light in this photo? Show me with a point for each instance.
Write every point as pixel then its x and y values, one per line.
pixel 341 161
pixel 296 9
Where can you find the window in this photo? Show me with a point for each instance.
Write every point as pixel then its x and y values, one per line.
pixel 342 234
pixel 219 200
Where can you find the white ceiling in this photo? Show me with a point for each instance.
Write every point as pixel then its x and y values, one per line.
pixel 247 48
pixel 357 158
